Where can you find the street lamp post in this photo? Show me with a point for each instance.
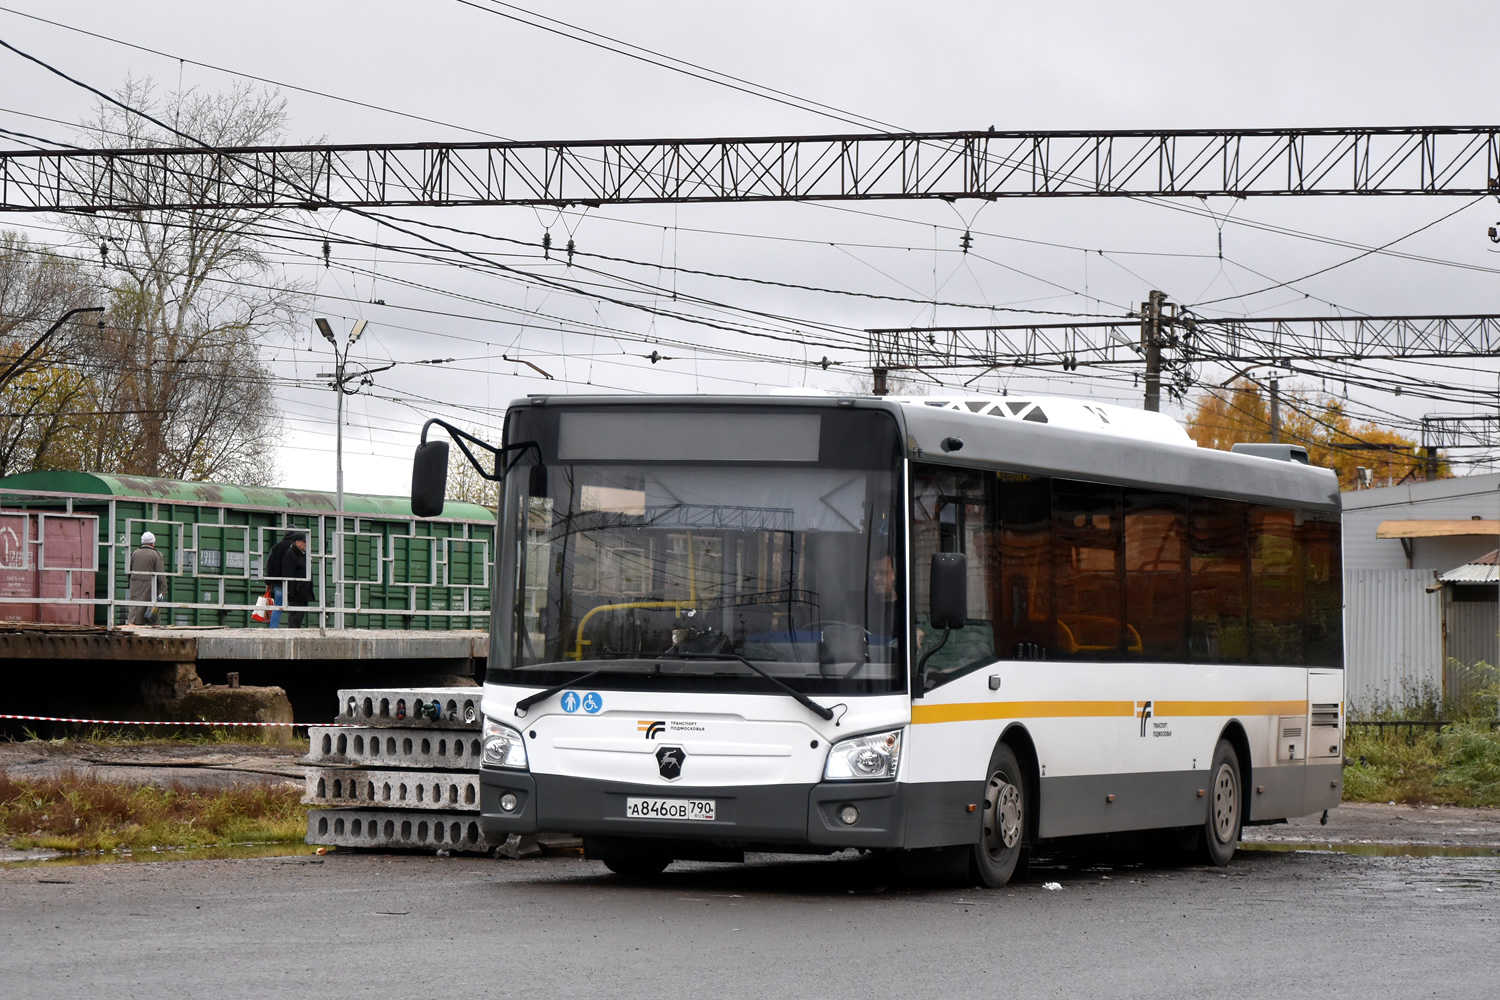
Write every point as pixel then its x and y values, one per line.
pixel 340 382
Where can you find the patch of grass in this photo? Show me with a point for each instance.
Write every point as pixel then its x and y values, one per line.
pixel 1459 765
pixel 70 813
pixel 140 736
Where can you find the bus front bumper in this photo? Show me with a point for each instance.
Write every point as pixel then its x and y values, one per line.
pixel 809 814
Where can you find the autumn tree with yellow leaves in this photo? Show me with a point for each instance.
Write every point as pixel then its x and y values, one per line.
pixel 1241 412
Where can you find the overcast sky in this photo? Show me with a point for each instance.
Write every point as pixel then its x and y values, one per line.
pixel 932 66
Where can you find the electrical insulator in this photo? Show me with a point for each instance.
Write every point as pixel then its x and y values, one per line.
pixel 327 254
pixel 103 252
pixel 547 245
pixel 966 241
pixel 570 251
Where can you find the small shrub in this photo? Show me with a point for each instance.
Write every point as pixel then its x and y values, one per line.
pixel 1459 765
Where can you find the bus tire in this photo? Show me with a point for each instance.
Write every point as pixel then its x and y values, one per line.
pixel 1226 807
pixel 636 865
pixel 1002 836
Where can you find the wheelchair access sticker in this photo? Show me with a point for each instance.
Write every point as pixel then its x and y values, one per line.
pixel 590 702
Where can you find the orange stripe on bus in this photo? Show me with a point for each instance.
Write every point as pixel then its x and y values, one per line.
pixel 971 711
pixel 1165 709
pixel 975 711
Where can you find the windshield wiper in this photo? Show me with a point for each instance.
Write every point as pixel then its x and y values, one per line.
pixel 802 699
pixel 529 700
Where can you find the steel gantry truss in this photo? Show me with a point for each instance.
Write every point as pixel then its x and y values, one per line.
pixel 1231 340
pixel 1473 430
pixel 1459 160
pixel 1164 339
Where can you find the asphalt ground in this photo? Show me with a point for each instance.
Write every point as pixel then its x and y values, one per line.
pixel 1272 924
pixel 1279 921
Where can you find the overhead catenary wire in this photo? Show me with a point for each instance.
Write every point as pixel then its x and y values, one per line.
pixel 1283 284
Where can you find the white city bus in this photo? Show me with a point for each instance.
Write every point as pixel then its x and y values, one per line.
pixel 959 625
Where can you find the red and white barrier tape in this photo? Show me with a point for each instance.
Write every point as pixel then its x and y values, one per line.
pixel 140 722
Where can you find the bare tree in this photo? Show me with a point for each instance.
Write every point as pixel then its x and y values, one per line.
pixel 465 484
pixel 192 293
pixel 45 397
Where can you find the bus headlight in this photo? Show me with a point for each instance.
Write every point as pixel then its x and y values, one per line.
pixel 874 756
pixel 503 746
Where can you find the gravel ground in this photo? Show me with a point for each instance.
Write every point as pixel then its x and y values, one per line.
pixel 192 765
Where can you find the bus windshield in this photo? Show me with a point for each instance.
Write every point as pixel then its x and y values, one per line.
pixel 665 548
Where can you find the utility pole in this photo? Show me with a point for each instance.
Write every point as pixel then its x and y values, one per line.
pixel 1275 411
pixel 340 383
pixel 1151 347
pixel 878 378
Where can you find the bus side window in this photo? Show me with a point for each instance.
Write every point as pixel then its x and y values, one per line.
pixel 1025 625
pixel 1323 589
pixel 1086 560
pixel 1156 580
pixel 1217 571
pixel 953 511
pixel 1276 606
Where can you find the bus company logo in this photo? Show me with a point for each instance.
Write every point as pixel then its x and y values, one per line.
pixel 1145 710
pixel 650 728
pixel 669 762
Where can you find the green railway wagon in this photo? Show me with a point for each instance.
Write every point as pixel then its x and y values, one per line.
pixel 400 571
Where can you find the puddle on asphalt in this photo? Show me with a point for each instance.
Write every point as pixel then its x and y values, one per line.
pixel 1374 850
pixel 221 853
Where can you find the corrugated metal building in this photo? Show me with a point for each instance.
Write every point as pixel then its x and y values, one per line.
pixel 1409 635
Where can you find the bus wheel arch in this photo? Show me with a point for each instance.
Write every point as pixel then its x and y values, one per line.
pixel 1234 734
pixel 1008 817
pixel 1229 775
pixel 1018 739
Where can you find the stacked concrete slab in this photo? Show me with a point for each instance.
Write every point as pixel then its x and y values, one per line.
pixel 401 770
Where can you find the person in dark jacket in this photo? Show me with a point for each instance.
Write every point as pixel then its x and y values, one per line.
pixel 275 575
pixel 298 587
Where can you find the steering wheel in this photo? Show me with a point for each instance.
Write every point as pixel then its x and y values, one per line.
pixel 833 624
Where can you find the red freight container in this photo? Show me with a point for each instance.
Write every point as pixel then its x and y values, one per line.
pixel 28 569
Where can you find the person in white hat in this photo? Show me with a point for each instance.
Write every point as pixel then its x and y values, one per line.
pixel 146 566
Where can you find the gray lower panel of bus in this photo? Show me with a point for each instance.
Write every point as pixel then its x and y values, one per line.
pixel 762 814
pixel 890 814
pixel 1112 803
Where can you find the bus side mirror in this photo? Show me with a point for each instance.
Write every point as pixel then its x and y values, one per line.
pixel 948 593
pixel 536 481
pixel 429 478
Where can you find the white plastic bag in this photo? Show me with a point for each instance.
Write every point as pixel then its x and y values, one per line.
pixel 262 612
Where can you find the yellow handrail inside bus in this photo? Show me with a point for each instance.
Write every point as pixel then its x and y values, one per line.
pixel 691 602
pixel 577 653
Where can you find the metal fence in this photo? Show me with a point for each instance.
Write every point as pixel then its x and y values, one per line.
pixel 1407 727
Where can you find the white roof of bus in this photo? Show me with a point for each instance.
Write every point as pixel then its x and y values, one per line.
pixel 1074 414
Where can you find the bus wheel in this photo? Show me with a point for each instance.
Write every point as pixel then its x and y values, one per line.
pixel 1003 823
pixel 1226 807
pixel 633 865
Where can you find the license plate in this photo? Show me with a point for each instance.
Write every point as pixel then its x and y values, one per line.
pixel 636 808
